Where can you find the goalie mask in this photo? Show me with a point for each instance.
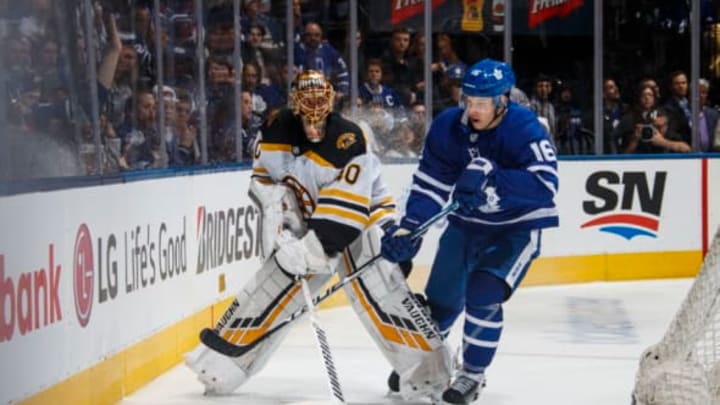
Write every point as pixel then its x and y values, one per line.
pixel 312 98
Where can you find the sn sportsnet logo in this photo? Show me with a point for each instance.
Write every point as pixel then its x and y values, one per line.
pixel 627 204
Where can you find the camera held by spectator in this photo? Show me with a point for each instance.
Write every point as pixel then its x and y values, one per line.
pixel 647 130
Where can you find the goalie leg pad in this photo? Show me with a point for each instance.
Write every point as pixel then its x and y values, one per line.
pixel 219 373
pixel 269 297
pixel 398 323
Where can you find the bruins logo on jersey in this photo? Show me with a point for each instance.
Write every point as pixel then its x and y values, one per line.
pixel 346 140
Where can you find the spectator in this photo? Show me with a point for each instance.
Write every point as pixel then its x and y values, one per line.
pixel 187 151
pixel 647 128
pixel 627 133
pixel 572 136
pixel 449 63
pixel 299 21
pixel 451 88
pixel 265 98
pixel 142 16
pixel 168 135
pixel 286 74
pixel 519 96
pixel 17 66
pixel 373 92
pixel 183 69
pixel 224 134
pixel 448 72
pixel 542 106
pixel 381 123
pixel 139 134
pixel 251 124
pixel 678 105
pixel 401 71
pixel 613 111
pixel 123 84
pixel 136 30
pixel 417 120
pixel 416 53
pixel 39 20
pixel 220 31
pixel 358 44
pixel 405 141
pixel 26 96
pixel 663 140
pixel 111 157
pixel 45 60
pixel 652 83
pixel 265 58
pixel 254 16
pixel 219 86
pixel 416 50
pixel 708 128
pixel 314 53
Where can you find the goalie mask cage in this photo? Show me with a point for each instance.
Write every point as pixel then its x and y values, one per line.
pixel 683 368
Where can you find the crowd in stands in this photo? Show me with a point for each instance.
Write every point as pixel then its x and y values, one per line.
pixel 154 105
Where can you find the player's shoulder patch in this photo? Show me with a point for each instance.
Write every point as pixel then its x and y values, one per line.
pixel 346 140
pixel 343 141
pixel 345 134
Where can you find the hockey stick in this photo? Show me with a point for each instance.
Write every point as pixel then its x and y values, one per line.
pixel 323 345
pixel 213 340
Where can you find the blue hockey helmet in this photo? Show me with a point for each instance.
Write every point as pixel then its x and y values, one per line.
pixel 488 78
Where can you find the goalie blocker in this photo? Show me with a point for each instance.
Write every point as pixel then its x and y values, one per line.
pixel 381 298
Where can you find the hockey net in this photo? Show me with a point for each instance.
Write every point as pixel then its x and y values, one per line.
pixel 683 368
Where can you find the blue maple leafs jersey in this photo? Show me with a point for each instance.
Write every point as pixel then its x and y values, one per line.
pixel 327 60
pixel 384 96
pixel 520 190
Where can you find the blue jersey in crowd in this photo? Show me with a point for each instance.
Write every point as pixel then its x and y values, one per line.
pixel 521 189
pixel 326 60
pixel 384 96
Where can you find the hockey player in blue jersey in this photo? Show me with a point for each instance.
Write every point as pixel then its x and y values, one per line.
pixel 494 158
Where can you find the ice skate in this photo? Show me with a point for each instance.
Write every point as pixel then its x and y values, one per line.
pixel 393 383
pixel 465 389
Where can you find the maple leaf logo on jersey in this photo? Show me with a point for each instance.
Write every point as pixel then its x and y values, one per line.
pixel 345 141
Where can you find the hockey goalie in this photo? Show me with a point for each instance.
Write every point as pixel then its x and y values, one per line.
pixel 323 204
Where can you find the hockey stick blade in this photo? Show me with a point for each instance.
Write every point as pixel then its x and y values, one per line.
pixel 211 338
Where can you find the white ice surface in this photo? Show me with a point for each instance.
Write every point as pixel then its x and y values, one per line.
pixel 562 345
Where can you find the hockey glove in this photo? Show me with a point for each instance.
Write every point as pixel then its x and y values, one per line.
pixel 397 246
pixel 303 256
pixel 470 186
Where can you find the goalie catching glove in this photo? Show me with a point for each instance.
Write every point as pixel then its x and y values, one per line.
pixel 303 256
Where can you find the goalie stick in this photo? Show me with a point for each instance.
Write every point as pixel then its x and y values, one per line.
pixel 323 345
pixel 213 340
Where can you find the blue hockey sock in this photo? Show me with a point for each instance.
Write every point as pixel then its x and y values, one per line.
pixel 483 326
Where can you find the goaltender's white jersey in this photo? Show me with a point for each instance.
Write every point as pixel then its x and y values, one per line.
pixel 337 181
